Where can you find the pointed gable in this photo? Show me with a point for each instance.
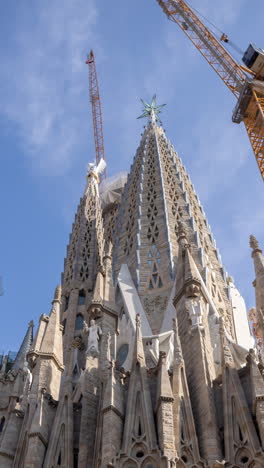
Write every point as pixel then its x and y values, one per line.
pixel 21 356
pixel 241 439
pixel 184 427
pixel 139 429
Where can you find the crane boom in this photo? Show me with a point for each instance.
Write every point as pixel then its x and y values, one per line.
pixel 96 111
pixel 217 56
pixel 250 93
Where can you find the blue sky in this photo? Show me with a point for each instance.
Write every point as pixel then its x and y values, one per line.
pixel 47 141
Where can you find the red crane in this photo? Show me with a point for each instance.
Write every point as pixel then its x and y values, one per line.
pixel 96 111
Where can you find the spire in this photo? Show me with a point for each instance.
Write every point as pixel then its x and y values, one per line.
pixel 257 386
pixel 157 196
pixel 85 251
pixel 139 418
pixel 239 429
pixel 21 357
pixel 258 259
pixel 52 339
pixel 184 427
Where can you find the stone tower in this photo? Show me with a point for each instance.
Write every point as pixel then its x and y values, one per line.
pixel 144 360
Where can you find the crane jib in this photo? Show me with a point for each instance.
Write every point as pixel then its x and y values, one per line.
pixel 218 57
pixel 250 94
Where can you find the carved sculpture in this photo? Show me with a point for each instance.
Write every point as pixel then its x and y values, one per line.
pixel 94 333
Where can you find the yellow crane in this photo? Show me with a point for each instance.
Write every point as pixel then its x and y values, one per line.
pixel 245 82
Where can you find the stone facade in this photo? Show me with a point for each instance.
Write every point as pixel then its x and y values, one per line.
pixel 144 359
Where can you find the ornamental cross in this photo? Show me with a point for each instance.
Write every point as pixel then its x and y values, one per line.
pixel 151 110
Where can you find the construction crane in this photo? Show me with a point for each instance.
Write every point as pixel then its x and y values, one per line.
pixel 245 82
pixel 96 111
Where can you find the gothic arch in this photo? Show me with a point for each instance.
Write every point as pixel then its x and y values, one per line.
pixel 149 463
pixel 130 464
pixel 139 450
pixel 255 464
pixel 138 429
pixel 243 457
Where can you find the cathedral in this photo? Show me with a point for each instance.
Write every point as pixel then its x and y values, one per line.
pixel 146 358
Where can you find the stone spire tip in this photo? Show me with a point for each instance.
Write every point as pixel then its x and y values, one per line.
pixel 253 242
pixel 57 293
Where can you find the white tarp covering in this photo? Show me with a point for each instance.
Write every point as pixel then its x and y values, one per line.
pixel 111 188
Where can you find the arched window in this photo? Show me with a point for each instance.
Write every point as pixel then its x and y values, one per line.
pixel 79 322
pixel 122 354
pixel 2 423
pixel 149 463
pixel 81 298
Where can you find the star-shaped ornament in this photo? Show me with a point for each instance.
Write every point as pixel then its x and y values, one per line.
pixel 152 110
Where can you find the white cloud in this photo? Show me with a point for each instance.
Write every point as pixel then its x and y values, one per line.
pixel 49 51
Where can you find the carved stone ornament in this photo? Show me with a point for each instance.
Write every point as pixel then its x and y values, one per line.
pixel 194 310
pixel 78 343
pixel 95 312
pixel 193 290
pixel 253 242
pixel 49 398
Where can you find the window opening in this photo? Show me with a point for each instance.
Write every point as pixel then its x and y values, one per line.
pixel 154 260
pixel 2 423
pixel 81 298
pixel 79 322
pixel 66 302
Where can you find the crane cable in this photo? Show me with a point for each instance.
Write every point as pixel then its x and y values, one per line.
pixel 224 37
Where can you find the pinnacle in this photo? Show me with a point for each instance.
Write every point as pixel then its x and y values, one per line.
pixel 24 348
pixel 253 242
pixel 57 293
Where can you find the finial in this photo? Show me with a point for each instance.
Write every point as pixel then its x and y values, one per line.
pixel 182 229
pixel 182 233
pixel 109 249
pixel 31 324
pixel 177 343
pixel 221 326
pixel 94 171
pixel 254 243
pixel 57 293
pixel 138 321
pixel 151 110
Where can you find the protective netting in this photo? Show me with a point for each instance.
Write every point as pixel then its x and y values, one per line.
pixel 111 188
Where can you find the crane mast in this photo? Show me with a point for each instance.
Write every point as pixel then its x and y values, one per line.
pixel 96 111
pixel 248 91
